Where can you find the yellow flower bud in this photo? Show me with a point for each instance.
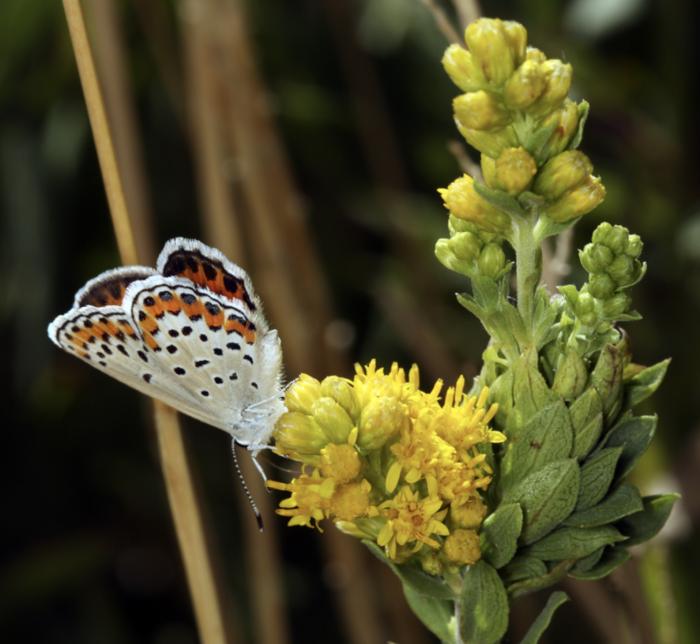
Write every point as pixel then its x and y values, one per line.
pixel 534 54
pixel 430 563
pixel 488 169
pixel 461 547
pixel 297 433
pixel 488 43
pixel 558 82
pixel 462 69
pixel 516 35
pixel 489 142
pixel 525 86
pixel 302 394
pixel 565 122
pixel 479 111
pixel 341 390
pixel 577 201
pixel 469 514
pixel 382 419
pixel 514 170
pixel 340 462
pixel 561 173
pixel 351 501
pixel 462 200
pixel 332 418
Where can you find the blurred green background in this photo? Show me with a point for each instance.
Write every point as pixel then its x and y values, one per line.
pixel 364 109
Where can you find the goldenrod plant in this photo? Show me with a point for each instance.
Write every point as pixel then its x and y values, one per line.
pixel 477 497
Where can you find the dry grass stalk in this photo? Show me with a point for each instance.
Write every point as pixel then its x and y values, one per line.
pixel 184 503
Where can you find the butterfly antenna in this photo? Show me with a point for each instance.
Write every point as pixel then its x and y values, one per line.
pixel 253 505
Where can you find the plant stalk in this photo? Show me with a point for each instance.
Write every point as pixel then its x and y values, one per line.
pixel 528 266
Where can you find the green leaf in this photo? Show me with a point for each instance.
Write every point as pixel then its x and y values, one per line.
pixel 501 392
pixel 500 199
pixel 546 437
pixel 436 614
pixel 611 559
pixel 543 327
pixel 483 605
pixel 587 420
pixel 645 383
pixel 643 525
pixel 623 501
pixel 587 563
pixel 524 567
pixel 541 624
pixel 606 378
pixel 596 476
pixel 573 543
pixel 634 435
pixel 499 534
pixel 553 576
pixel 583 108
pixel 530 390
pixel 546 497
pixel 410 576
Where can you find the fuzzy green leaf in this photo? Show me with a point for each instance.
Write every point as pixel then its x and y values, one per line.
pixel 623 501
pixel 483 605
pixel 583 109
pixel 587 420
pixel 573 543
pixel 501 392
pixel 553 575
pixel 611 559
pixel 634 435
pixel 541 624
pixel 524 567
pixel 587 563
pixel 499 534
pixel 645 383
pixel 546 437
pixel 530 391
pixel 410 576
pixel 644 525
pixel 606 378
pixel 500 199
pixel 436 614
pixel 597 474
pixel 546 497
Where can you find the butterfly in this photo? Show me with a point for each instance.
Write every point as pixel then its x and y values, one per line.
pixel 191 333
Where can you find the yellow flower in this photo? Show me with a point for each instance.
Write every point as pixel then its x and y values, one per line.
pixel 411 521
pixel 351 501
pixel 469 514
pixel 309 499
pixel 340 462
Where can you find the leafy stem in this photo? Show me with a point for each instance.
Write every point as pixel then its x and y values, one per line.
pixel 528 266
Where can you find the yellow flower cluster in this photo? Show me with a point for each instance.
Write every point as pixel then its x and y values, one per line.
pixel 515 110
pixel 390 463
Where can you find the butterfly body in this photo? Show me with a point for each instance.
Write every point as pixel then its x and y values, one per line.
pixel 190 333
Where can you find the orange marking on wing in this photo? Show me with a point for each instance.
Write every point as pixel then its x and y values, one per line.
pixel 150 341
pixel 214 320
pixel 148 325
pixel 244 329
pixel 127 328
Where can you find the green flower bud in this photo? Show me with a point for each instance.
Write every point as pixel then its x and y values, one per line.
pixel 462 69
pixel 616 305
pixel 578 201
pixel 341 390
pixel 490 47
pixel 449 259
pixel 601 233
pixel 616 239
pixel 601 286
pixel 332 419
pixel 462 200
pixel 479 111
pixel 489 142
pixel 297 433
pixel 622 270
pixel 571 377
pixel 564 121
pixel 561 173
pixel 514 170
pixel 466 246
pixel 634 246
pixel 382 419
pixel 492 260
pixel 585 309
pixel 525 86
pixel 488 169
pixel 595 258
pixel 516 35
pixel 302 394
pixel 558 82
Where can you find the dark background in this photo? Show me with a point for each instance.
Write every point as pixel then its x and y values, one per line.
pixel 88 549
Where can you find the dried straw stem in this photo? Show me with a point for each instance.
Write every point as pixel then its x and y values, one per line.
pixel 178 475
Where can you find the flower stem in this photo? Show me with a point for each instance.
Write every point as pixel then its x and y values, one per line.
pixel 528 266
